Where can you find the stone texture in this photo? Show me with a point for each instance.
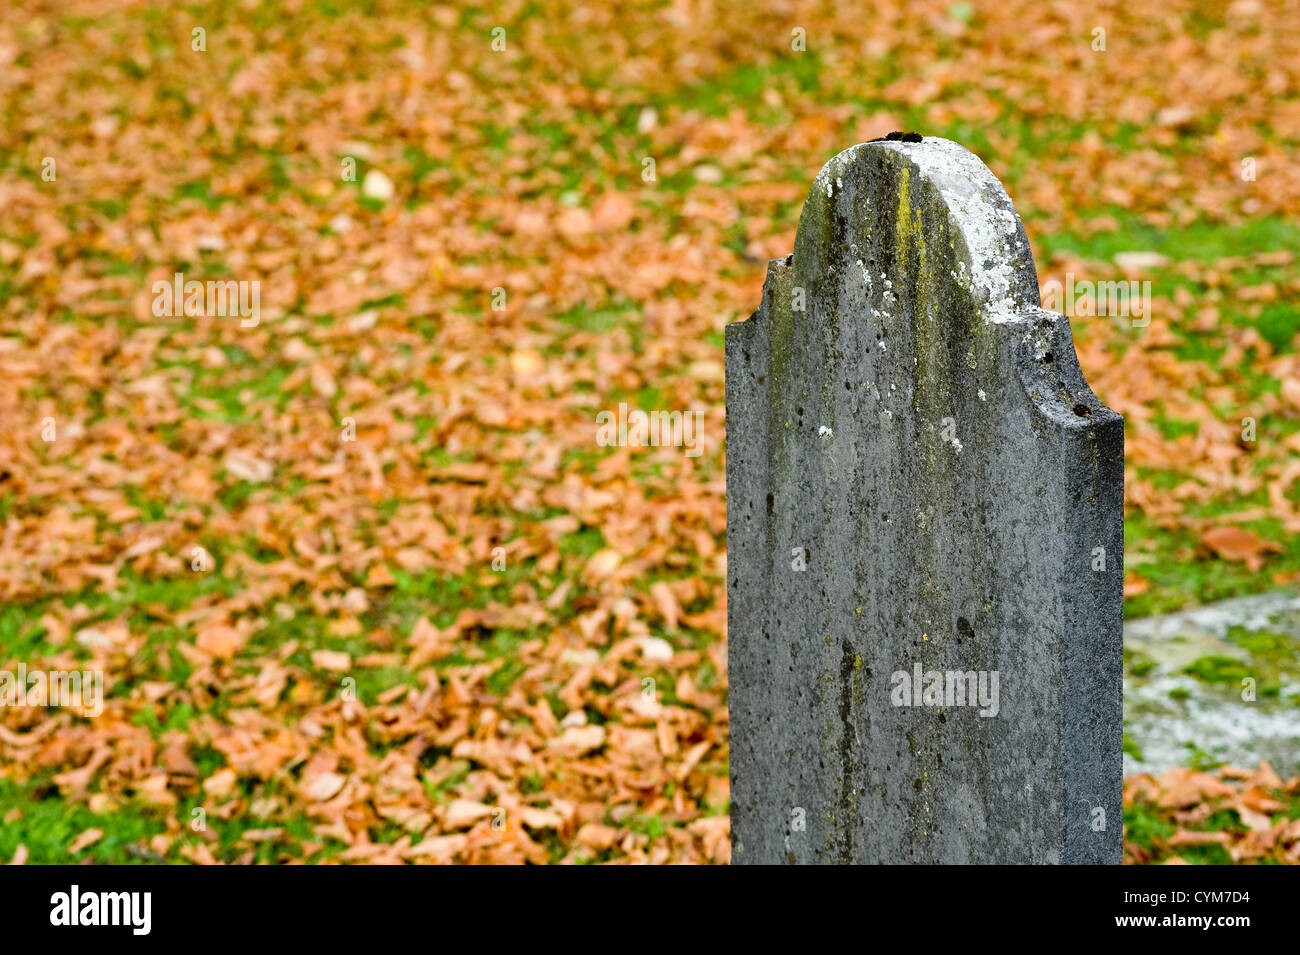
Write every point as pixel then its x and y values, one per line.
pixel 1167 710
pixel 921 438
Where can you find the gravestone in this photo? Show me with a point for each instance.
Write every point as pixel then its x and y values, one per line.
pixel 925 530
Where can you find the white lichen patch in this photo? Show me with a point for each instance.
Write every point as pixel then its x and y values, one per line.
pixel 981 211
pixel 983 397
pixel 825 432
pixel 978 208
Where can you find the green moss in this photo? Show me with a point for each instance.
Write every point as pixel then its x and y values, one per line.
pixel 1263 641
pixel 1131 747
pixel 1217 669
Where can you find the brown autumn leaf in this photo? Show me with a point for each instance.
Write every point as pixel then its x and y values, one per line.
pixel 1291 392
pixel 220 640
pixel 87 838
pixel 1189 837
pixel 1186 787
pixel 221 783
pixel 602 564
pixel 1135 585
pixel 578 740
pixel 597 837
pixel 336 661
pixel 1252 820
pixel 666 602
pixel 323 786
pixel 1236 543
pixel 1261 800
pixel 462 813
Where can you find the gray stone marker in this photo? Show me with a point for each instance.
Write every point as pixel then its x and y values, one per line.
pixel 925 532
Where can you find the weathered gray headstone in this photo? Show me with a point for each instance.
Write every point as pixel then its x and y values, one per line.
pixel 924 538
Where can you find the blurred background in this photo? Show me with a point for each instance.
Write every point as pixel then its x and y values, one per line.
pixel 360 580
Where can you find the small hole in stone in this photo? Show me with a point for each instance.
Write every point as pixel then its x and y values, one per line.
pixel 1082 410
pixel 1048 358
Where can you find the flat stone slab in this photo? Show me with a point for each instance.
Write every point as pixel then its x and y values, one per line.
pixel 925 530
pixel 1185 696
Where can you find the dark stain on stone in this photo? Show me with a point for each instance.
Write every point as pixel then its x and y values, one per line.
pixel 847 809
pixel 897 137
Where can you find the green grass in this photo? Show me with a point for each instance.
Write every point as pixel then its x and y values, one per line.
pixel 48 824
pixel 1198 242
pixel 1180 577
pixel 1143 826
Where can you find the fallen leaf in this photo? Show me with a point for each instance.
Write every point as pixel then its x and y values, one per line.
pixel 1236 543
pixel 336 661
pixel 323 787
pixel 88 838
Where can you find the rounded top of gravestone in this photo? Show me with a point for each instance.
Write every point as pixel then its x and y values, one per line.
pixel 912 252
pixel 942 177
